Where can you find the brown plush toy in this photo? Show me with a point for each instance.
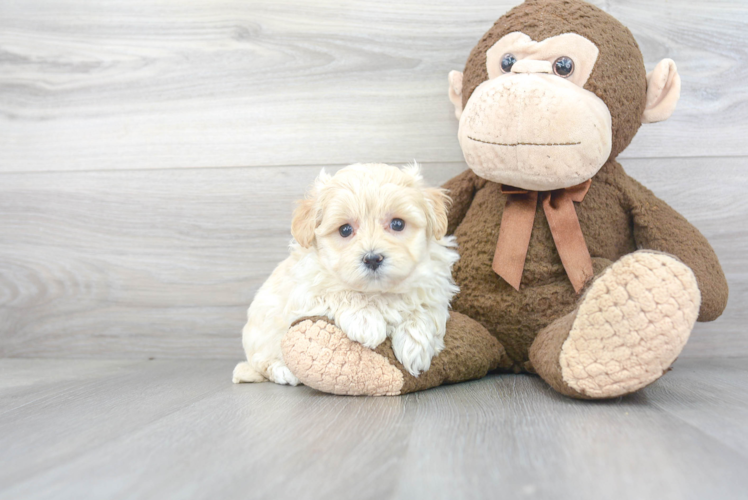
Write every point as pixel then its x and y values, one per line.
pixel 569 268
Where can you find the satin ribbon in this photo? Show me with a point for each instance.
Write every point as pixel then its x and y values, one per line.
pixel 516 229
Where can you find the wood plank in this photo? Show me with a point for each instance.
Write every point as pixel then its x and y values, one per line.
pixel 709 394
pixel 528 441
pixel 507 433
pixel 23 381
pixel 58 426
pixel 270 434
pixel 164 263
pixel 222 83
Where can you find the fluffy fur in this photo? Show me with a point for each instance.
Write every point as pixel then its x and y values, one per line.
pixel 406 298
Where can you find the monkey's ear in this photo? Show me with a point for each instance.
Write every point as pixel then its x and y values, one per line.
pixel 663 92
pixel 439 203
pixel 455 91
pixel 304 222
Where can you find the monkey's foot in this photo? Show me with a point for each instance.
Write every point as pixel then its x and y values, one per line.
pixel 323 357
pixel 628 329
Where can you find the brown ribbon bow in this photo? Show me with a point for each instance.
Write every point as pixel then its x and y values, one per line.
pixel 516 228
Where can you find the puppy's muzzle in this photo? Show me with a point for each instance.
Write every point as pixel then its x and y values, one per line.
pixel 373 260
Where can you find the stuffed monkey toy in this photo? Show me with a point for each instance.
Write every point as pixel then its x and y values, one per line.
pixel 569 268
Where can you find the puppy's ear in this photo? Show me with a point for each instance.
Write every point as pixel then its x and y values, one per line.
pixel 438 206
pixel 414 172
pixel 304 222
pixel 322 179
pixel 306 216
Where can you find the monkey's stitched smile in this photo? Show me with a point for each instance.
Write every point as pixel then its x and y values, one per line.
pixel 526 143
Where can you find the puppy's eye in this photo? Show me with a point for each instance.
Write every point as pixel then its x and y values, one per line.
pixel 507 62
pixel 563 66
pixel 397 224
pixel 345 230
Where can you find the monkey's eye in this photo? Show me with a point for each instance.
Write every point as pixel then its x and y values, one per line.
pixel 397 224
pixel 563 66
pixel 345 230
pixel 507 62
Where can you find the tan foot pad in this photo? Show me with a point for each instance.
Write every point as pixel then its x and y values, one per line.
pixel 324 358
pixel 631 325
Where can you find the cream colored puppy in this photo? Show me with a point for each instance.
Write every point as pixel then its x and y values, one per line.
pixel 370 253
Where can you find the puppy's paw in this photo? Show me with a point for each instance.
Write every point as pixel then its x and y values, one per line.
pixel 245 373
pixel 416 341
pixel 280 374
pixel 262 369
pixel 365 326
pixel 415 356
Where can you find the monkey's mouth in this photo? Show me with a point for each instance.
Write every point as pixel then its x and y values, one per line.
pixel 515 144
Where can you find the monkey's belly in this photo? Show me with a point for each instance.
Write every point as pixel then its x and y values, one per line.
pixel 514 317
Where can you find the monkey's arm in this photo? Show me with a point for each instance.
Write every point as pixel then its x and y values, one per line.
pixel 461 190
pixel 658 227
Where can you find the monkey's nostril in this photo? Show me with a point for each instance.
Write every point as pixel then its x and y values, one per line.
pixel 373 260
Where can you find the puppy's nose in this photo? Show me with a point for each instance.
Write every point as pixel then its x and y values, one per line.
pixel 373 260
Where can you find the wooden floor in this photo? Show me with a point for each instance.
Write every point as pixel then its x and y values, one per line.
pixel 179 429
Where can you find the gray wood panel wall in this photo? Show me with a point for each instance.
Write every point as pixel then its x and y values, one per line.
pixel 151 151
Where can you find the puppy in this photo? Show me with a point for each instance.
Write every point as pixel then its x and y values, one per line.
pixel 370 253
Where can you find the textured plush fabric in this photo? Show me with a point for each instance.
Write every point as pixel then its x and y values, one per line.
pixel 663 92
pixel 630 327
pixel 323 357
pixel 617 216
pixel 621 79
pixel 516 229
pixel 470 352
pixel 545 354
pixel 534 130
pixel 659 227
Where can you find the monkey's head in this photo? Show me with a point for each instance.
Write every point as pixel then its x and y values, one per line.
pixel 552 91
